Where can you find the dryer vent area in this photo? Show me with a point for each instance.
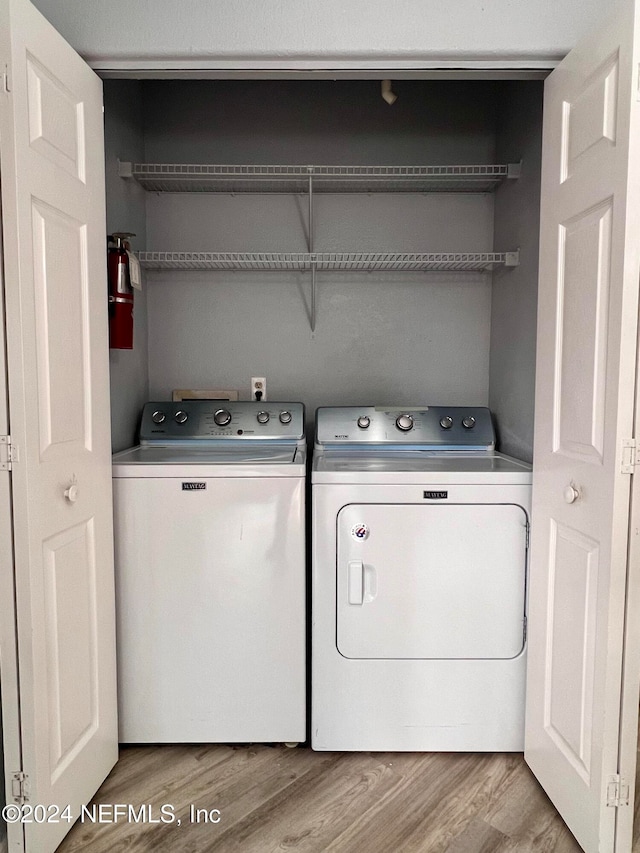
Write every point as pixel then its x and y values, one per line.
pixel 347 250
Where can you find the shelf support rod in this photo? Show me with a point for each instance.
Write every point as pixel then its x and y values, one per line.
pixel 310 238
pixel 313 296
pixel 310 244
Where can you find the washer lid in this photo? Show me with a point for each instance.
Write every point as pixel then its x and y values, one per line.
pixel 176 455
pixel 251 460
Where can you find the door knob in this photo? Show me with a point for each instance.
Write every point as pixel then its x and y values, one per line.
pixel 71 494
pixel 571 494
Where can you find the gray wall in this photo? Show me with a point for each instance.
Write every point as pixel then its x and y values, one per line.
pixel 379 339
pixel 395 339
pixel 251 121
pixel 306 33
pixel 126 212
pixel 514 302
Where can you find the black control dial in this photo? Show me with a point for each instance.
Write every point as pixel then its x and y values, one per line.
pixel 285 417
pixel 181 417
pixel 469 422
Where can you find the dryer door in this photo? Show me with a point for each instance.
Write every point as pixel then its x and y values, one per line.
pixel 437 581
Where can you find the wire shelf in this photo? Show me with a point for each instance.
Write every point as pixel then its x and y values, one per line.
pixel 346 261
pixel 203 178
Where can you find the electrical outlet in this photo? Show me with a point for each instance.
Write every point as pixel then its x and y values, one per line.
pixel 259 386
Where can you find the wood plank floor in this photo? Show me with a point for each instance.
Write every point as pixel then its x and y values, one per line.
pixel 278 799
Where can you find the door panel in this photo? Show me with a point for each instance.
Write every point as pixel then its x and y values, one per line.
pixel 61 288
pixel 437 581
pixel 56 119
pixel 581 348
pixel 585 381
pixel 52 162
pixel 573 583
pixel 590 116
pixel 69 568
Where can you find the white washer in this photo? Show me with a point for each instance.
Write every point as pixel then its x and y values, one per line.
pixel 420 541
pixel 210 574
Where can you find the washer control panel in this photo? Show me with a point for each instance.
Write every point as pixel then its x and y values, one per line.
pixel 438 427
pixel 200 420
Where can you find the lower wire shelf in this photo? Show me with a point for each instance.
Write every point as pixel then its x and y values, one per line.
pixel 328 261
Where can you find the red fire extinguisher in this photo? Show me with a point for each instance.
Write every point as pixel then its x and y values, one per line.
pixel 120 291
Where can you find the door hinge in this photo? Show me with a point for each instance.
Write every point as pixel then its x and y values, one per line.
pixel 20 787
pixel 8 453
pixel 617 791
pixel 629 456
pixel 6 86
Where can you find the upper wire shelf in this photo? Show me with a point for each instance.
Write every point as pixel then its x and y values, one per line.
pixel 203 178
pixel 351 261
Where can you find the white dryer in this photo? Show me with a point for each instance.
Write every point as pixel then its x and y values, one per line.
pixel 420 541
pixel 210 574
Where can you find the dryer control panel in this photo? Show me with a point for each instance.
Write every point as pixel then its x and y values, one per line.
pixel 426 427
pixel 200 421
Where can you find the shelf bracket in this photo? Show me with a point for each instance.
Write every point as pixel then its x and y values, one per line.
pixel 125 169
pixel 514 170
pixel 512 259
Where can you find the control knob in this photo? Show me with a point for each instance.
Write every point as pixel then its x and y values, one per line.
pixel 158 417
pixel 404 423
pixel 262 417
pixel 446 422
pixel 222 417
pixel 285 417
pixel 469 422
pixel 180 417
pixel 364 422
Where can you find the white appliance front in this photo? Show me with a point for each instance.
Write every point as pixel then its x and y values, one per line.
pixel 418 629
pixel 420 536
pixel 210 574
pixel 211 608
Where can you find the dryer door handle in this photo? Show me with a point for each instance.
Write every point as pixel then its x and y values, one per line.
pixel 356 581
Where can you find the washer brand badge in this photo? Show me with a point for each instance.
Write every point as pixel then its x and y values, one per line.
pixel 341 436
pixel 360 531
pixel 435 496
pixel 193 487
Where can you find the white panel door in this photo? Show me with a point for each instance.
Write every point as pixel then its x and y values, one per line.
pixel 587 322
pixel 52 164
